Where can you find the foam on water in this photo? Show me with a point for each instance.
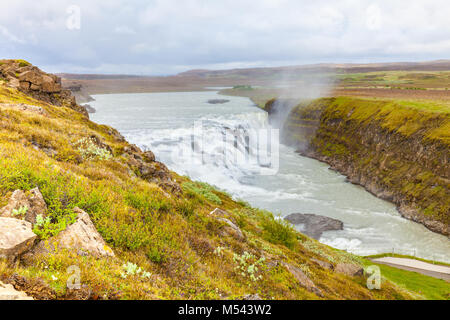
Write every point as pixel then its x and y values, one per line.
pixel 164 123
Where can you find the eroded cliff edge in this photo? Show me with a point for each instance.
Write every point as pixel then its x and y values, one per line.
pixel 397 150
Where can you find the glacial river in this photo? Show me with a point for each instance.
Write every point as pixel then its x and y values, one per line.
pixel 192 137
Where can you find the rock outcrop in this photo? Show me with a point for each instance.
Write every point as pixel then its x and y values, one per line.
pixel 89 108
pixel 230 227
pixel 81 237
pixel 34 82
pixel 303 279
pixel 77 89
pixel 218 101
pixel 315 225
pixel 32 203
pixel 143 163
pixel 16 237
pixel 25 107
pixel 349 269
pixel 7 292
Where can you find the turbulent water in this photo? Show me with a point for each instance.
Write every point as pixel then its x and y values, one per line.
pixel 224 145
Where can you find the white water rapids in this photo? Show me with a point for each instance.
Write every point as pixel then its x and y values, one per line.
pixel 164 123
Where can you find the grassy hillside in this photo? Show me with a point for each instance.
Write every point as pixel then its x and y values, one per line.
pixel 183 251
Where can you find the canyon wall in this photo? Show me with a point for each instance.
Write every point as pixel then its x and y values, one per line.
pixel 398 151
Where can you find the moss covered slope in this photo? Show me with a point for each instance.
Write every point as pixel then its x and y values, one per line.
pixel 398 150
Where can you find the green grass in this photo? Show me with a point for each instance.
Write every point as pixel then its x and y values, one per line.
pixel 395 255
pixel 202 189
pixel 428 287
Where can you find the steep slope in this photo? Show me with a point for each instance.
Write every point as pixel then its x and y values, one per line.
pixel 171 237
pixel 397 150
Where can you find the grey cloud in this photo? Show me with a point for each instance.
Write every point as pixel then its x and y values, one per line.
pixel 161 37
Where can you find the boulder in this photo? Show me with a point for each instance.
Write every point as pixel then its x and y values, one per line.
pixel 303 279
pixel 315 225
pixel 24 85
pixel 218 101
pixel 16 237
pixel 32 200
pixel 323 264
pixel 7 292
pixel 350 269
pixel 230 227
pixel 31 76
pixel 82 237
pixel 89 108
pixel 49 85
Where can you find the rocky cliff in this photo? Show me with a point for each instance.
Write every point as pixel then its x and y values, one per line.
pixel 21 75
pixel 399 151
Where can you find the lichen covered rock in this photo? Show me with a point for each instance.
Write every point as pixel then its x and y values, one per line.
pixel 16 237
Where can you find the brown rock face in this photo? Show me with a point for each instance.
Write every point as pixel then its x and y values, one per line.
pixel 16 237
pixel 32 201
pixel 303 279
pixel 38 84
pixel 349 269
pixel 145 166
pixel 82 237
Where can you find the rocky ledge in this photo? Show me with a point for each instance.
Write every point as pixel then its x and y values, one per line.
pixel 38 84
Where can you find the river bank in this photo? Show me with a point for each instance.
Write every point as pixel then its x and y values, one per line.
pixel 396 152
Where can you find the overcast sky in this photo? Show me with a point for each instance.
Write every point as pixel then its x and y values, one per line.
pixel 168 36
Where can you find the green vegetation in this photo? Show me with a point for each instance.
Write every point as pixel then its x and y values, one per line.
pixel 278 231
pixel 423 286
pixel 201 189
pixel 243 87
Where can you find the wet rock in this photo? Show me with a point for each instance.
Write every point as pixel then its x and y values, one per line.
pixel 7 292
pixel 315 225
pixel 16 237
pixel 89 108
pixel 218 101
pixel 303 279
pixel 350 269
pixel 81 237
pixel 32 202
